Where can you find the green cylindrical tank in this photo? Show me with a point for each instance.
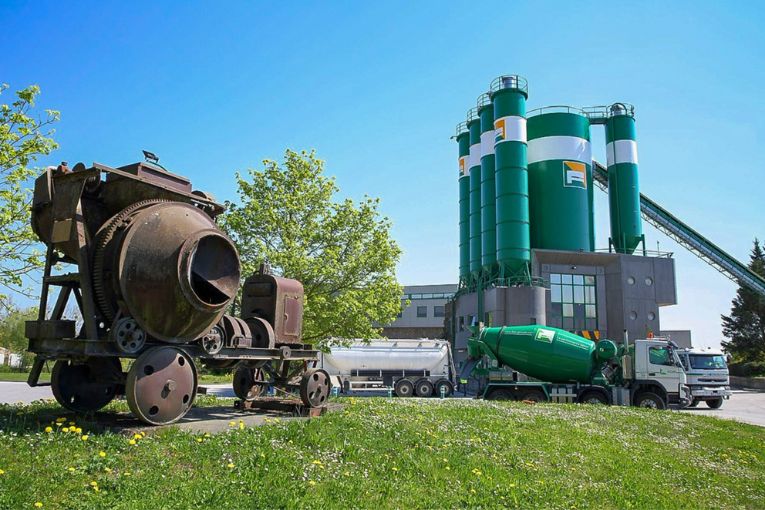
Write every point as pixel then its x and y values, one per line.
pixel 463 140
pixel 474 129
pixel 560 180
pixel 623 188
pixel 488 200
pixel 508 95
pixel 548 354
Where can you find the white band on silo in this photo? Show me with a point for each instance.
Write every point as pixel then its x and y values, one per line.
pixel 621 151
pixel 560 147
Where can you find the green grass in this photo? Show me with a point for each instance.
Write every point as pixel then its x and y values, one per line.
pixel 380 453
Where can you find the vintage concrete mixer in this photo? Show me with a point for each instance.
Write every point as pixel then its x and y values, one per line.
pixel 154 278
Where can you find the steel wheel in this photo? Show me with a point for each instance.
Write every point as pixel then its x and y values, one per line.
pixel 447 387
pixel 423 388
pixel 249 383
pixel 85 387
pixel 650 401
pixel 161 385
pixel 404 388
pixel 314 387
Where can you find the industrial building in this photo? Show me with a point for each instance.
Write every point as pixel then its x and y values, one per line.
pixel 527 247
pixel 423 310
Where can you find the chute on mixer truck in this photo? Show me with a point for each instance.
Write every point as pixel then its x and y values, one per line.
pixel 562 367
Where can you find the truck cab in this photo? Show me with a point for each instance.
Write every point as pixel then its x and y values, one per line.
pixel 708 377
pixel 657 371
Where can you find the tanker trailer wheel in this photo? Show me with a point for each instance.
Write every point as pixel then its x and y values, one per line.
pixel 423 388
pixel 161 385
pixel 249 383
pixel 649 400
pixel 314 387
pixel 715 403
pixel 85 387
pixel 446 386
pixel 404 388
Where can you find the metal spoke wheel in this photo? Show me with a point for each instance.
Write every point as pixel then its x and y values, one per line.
pixel 314 387
pixel 85 387
pixel 249 383
pixel 423 388
pixel 404 388
pixel 161 385
pixel 650 401
pixel 444 387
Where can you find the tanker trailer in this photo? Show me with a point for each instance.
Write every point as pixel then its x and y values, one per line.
pixel 421 367
pixel 153 277
pixel 564 367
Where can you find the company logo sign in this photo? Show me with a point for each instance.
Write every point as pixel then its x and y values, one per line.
pixel 500 131
pixel 463 165
pixel 574 174
pixel 545 335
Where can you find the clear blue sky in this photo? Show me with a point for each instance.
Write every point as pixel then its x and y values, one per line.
pixel 377 88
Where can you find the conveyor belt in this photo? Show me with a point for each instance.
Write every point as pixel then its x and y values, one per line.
pixel 687 237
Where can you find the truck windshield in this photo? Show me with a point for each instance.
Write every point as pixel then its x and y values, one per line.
pixel 708 362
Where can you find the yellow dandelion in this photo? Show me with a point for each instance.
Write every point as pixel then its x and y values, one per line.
pixel 96 489
pixel 512 485
pixel 78 430
pixel 137 436
pixel 316 462
pixel 127 473
pixel 207 434
pixel 65 429
pixel 230 465
pixel 394 468
pixel 85 437
pixel 199 440
pixel 70 469
pixel 94 483
pixel 311 483
pixel 347 473
pixel 241 425
pixel 38 504
pixel 472 491
pixel 2 472
pixel 48 429
pixel 132 442
pixel 108 469
pixel 143 433
pixel 102 454
pixel 60 420
pixel 448 468
pixel 232 424
pixel 71 423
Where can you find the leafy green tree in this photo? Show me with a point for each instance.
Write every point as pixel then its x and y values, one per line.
pixel 341 251
pixel 22 140
pixel 745 326
pixel 12 336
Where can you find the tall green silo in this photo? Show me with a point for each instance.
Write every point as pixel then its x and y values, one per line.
pixel 463 140
pixel 488 200
pixel 623 188
pixel 474 129
pixel 508 95
pixel 560 179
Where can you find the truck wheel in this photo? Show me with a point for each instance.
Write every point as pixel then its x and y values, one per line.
pixel 693 403
pixel 533 396
pixel 448 388
pixel 715 403
pixel 650 401
pixel 500 394
pixel 593 397
pixel 404 388
pixel 423 388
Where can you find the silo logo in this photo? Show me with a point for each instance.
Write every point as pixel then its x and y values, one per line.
pixel 574 174
pixel 499 130
pixel 463 165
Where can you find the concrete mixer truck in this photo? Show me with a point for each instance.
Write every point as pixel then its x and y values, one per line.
pixel 562 367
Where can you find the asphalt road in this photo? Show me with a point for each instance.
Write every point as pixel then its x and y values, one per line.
pixel 746 406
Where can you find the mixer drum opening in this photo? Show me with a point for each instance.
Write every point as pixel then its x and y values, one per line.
pixel 214 274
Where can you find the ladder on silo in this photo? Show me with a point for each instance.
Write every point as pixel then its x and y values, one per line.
pixel 688 238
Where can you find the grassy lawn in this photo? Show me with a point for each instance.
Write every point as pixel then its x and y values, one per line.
pixel 380 453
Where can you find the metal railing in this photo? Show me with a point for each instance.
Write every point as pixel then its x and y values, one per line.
pixel 689 238
pixel 555 109
pixel 461 128
pixel 483 100
pixel 509 81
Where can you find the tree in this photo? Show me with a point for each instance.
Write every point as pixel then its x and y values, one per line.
pixel 22 140
pixel 745 326
pixel 340 250
pixel 12 336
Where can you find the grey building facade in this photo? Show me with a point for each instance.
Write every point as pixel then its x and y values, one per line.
pixel 423 311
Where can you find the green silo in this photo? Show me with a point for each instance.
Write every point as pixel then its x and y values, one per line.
pixel 474 168
pixel 508 95
pixel 488 200
pixel 623 188
pixel 560 180
pixel 463 140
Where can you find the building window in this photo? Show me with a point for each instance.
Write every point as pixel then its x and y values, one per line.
pixel 422 311
pixel 574 301
pixel 438 311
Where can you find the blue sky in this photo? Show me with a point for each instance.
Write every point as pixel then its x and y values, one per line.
pixel 377 88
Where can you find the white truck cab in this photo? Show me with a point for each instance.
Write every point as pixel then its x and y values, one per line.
pixel 707 375
pixel 656 362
